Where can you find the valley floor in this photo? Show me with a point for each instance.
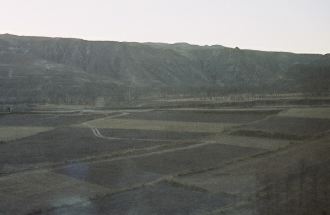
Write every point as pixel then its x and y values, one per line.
pixel 171 161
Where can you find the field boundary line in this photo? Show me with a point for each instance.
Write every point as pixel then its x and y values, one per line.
pixel 98 134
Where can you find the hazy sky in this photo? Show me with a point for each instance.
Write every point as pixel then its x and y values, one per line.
pixel 279 25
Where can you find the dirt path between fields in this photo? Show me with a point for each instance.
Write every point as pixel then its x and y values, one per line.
pixel 98 134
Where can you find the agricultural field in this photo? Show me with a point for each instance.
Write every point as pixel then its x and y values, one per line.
pixel 175 161
pixel 10 133
pixel 158 125
pixel 293 123
pixel 200 115
pixel 316 113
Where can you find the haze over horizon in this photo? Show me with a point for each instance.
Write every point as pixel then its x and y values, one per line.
pixel 299 26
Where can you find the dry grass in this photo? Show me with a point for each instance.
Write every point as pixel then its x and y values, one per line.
pixel 268 134
pixel 233 184
pixel 158 125
pixel 321 113
pixel 9 133
pixel 62 107
pixel 253 142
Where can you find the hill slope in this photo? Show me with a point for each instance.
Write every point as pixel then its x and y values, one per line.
pixel 40 69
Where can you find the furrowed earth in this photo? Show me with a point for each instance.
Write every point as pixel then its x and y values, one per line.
pixel 169 161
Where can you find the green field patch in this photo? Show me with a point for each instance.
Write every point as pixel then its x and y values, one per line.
pixel 321 113
pixel 158 125
pixel 9 133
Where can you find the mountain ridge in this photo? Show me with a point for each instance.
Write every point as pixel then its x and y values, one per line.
pixel 55 69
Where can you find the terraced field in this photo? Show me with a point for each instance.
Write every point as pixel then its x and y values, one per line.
pixel 158 125
pixel 9 133
pixel 159 161
pixel 200 115
pixel 290 124
pixel 316 113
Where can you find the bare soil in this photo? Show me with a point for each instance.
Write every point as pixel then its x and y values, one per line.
pixel 286 127
pixel 45 120
pixel 62 145
pixel 162 198
pixel 201 116
pixel 74 170
pixel 153 135
pixel 128 172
